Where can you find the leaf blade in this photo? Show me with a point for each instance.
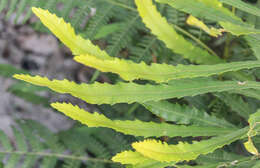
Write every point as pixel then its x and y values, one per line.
pixel 66 33
pixel 137 127
pixel 159 73
pixel 98 93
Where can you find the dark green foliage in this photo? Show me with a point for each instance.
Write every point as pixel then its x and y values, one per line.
pixel 34 145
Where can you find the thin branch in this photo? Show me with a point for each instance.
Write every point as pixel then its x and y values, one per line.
pixel 57 155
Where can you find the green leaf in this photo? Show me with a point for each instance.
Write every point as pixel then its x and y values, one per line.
pixel 138 161
pixel 254 119
pixel 243 6
pixel 236 103
pixel 9 70
pixel 98 93
pixel 130 157
pixel 137 127
pixel 183 151
pixel 208 9
pixel 213 10
pixel 218 156
pixel 238 30
pixel 166 33
pixel 254 42
pixel 130 71
pixel 193 21
pixel 183 114
pixel 65 32
pixel 248 92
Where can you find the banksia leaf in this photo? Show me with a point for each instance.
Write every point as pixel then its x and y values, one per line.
pixel 137 127
pixel 166 33
pixel 130 71
pixel 138 160
pixel 98 93
pixel 130 157
pixel 66 33
pixel 183 151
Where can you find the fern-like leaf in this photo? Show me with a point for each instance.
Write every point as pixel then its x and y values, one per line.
pixel 184 151
pixel 138 161
pixel 65 32
pixel 130 71
pixel 159 26
pixel 98 93
pixel 137 128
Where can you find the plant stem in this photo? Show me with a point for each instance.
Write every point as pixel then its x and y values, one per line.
pixel 56 155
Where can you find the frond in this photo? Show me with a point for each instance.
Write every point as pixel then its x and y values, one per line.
pixel 98 93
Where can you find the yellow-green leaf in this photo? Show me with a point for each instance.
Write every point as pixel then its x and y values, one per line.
pixel 98 93
pixel 130 71
pixel 130 157
pixel 183 151
pixel 137 127
pixel 174 41
pixel 138 160
pixel 254 119
pixel 250 147
pixel 193 21
pixel 65 32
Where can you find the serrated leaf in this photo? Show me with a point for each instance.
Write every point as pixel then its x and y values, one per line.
pixel 184 151
pixel 66 33
pixel 98 93
pixel 138 161
pixel 137 127
pixel 130 157
pixel 130 71
pixel 166 33
pixel 183 114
